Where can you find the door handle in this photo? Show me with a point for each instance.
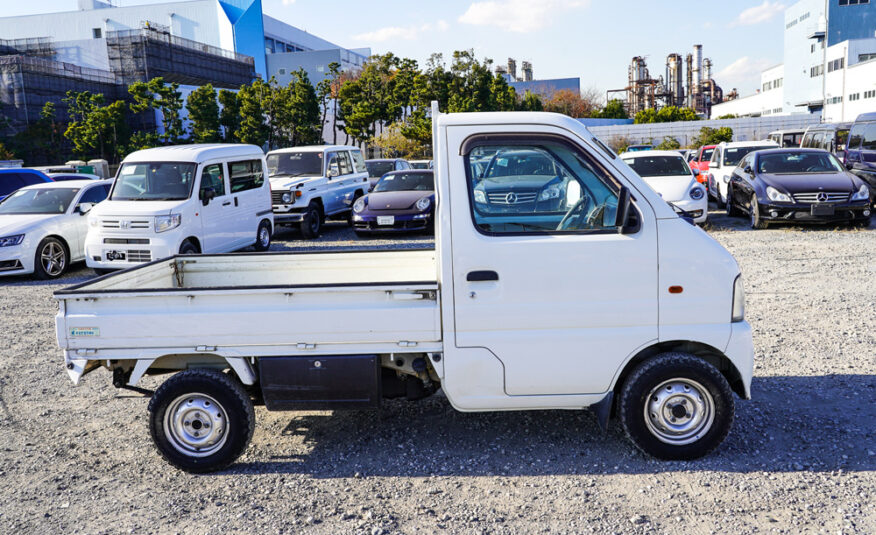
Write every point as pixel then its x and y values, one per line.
pixel 226 203
pixel 482 276
pixel 235 201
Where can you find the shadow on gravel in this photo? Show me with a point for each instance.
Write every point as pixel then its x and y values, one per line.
pixel 77 274
pixel 718 221
pixel 819 424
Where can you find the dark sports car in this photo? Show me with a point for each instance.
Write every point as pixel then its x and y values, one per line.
pixel 400 201
pixel 796 186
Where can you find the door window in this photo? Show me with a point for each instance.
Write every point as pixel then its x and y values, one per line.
pixel 30 179
pixel 543 187
pixel 359 162
pixel 10 182
pixel 333 166
pixel 246 175
pixel 213 176
pixel 94 195
pixel 855 136
pixel 345 163
pixel 868 141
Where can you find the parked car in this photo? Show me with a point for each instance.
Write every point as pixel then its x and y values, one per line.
pixel 611 302
pixel 43 226
pixel 831 137
pixel 725 158
pixel 796 186
pixel 12 179
pixel 786 138
pixel 379 167
pixel 860 157
pixel 311 184
pixel 400 201
pixel 420 164
pixel 186 199
pixel 669 175
pixel 637 148
pixel 700 162
pixel 61 177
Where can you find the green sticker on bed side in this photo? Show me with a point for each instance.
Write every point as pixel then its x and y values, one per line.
pixel 79 332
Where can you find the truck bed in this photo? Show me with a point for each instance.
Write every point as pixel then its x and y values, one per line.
pixel 257 305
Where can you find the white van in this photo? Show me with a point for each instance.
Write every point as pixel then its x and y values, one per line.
pixel 311 184
pixel 186 199
pixel 725 157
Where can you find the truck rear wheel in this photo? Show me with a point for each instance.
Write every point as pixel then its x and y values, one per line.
pixel 676 406
pixel 201 420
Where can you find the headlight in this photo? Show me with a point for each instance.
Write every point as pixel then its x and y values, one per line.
pixel 738 312
pixel 552 192
pixel 424 204
pixel 480 196
pixel 287 198
pixel 696 193
pixel 863 194
pixel 359 205
pixel 166 222
pixel 776 195
pixel 9 241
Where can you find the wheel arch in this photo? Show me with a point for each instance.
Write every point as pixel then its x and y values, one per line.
pixel 195 241
pixel 705 352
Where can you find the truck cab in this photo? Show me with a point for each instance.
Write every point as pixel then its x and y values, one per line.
pixel 311 184
pixel 567 290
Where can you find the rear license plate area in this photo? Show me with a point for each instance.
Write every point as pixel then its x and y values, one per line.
pixel 823 209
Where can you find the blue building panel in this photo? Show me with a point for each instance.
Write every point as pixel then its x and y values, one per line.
pixel 849 19
pixel 249 31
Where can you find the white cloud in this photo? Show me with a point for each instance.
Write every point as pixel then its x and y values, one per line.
pixel 742 73
pixel 288 2
pixel 405 33
pixel 521 16
pixel 758 14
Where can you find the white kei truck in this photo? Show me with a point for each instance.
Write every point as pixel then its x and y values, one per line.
pixel 583 290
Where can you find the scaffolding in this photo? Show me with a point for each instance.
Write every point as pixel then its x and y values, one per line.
pixel 42 47
pixel 140 55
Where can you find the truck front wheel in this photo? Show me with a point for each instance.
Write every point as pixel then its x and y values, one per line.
pixel 312 222
pixel 201 420
pixel 676 406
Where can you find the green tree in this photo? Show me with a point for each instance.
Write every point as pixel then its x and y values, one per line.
pixel 668 114
pixel 712 136
pixel 613 110
pixel 163 98
pixel 229 117
pixel 646 116
pixel 204 114
pixel 304 110
pixel 668 143
pixel 393 143
pixel 359 110
pixel 95 128
pixel 80 106
pixel 470 83
pixel 729 116
pixel 252 128
pixel 503 97
pixel 531 102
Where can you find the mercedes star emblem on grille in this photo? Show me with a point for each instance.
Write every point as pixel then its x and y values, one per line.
pixel 511 198
pixel 821 197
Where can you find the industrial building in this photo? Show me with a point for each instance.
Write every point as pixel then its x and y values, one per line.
pixel 687 83
pixel 527 82
pixel 829 66
pixel 102 48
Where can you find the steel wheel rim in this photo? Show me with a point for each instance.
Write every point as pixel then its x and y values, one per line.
pixel 196 425
pixel 679 411
pixel 264 236
pixel 314 221
pixel 52 259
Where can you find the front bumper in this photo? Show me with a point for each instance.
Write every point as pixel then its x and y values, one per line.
pixel 284 214
pixel 804 212
pixel 16 260
pixel 367 222
pixel 698 210
pixel 740 351
pixel 138 249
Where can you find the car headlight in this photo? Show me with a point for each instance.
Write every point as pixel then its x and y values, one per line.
pixel 287 198
pixel 696 193
pixel 776 195
pixel 738 312
pixel 164 223
pixel 424 204
pixel 480 196
pixel 552 192
pixel 863 194
pixel 9 241
pixel 359 205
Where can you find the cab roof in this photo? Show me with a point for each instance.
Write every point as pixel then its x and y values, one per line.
pixel 734 144
pixel 194 153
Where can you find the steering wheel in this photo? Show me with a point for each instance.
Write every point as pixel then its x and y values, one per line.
pixel 595 217
pixel 575 212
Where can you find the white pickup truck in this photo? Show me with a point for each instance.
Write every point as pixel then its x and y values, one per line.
pixel 543 292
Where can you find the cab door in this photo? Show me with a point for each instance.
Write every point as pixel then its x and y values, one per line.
pixel 217 217
pixel 542 277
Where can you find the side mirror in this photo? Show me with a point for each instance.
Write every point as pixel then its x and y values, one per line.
pixel 713 165
pixel 207 195
pixel 696 172
pixel 850 165
pixel 84 207
pixel 623 209
pixel 748 170
pixel 371 187
pixel 329 174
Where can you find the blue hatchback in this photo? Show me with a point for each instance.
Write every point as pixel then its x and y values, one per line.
pixel 11 180
pixel 860 154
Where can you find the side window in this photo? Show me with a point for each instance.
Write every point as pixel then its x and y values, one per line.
pixel 9 182
pixel 346 164
pixel 869 137
pixel 213 176
pixel 538 187
pixel 246 175
pixel 855 136
pixel 333 165
pixel 94 195
pixel 807 141
pixel 716 155
pixel 30 178
pixel 359 162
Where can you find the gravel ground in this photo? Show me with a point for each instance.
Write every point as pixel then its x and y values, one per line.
pixel 800 459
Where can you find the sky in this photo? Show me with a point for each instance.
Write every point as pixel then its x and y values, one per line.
pixel 594 40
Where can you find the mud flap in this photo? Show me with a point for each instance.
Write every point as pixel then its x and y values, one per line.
pixel 602 410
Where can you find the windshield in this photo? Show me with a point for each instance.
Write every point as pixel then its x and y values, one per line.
pixel 38 201
pixel 379 168
pixel 798 162
pixel 419 165
pixel 295 164
pixel 154 181
pixel 658 165
pixel 521 163
pixel 406 182
pixel 707 154
pixel 733 155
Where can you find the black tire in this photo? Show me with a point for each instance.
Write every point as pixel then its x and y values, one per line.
pixel 188 247
pixel 754 215
pixel 861 223
pixel 311 226
pixel 719 202
pixel 668 374
pixel 51 259
pixel 205 402
pixel 732 210
pixel 263 237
